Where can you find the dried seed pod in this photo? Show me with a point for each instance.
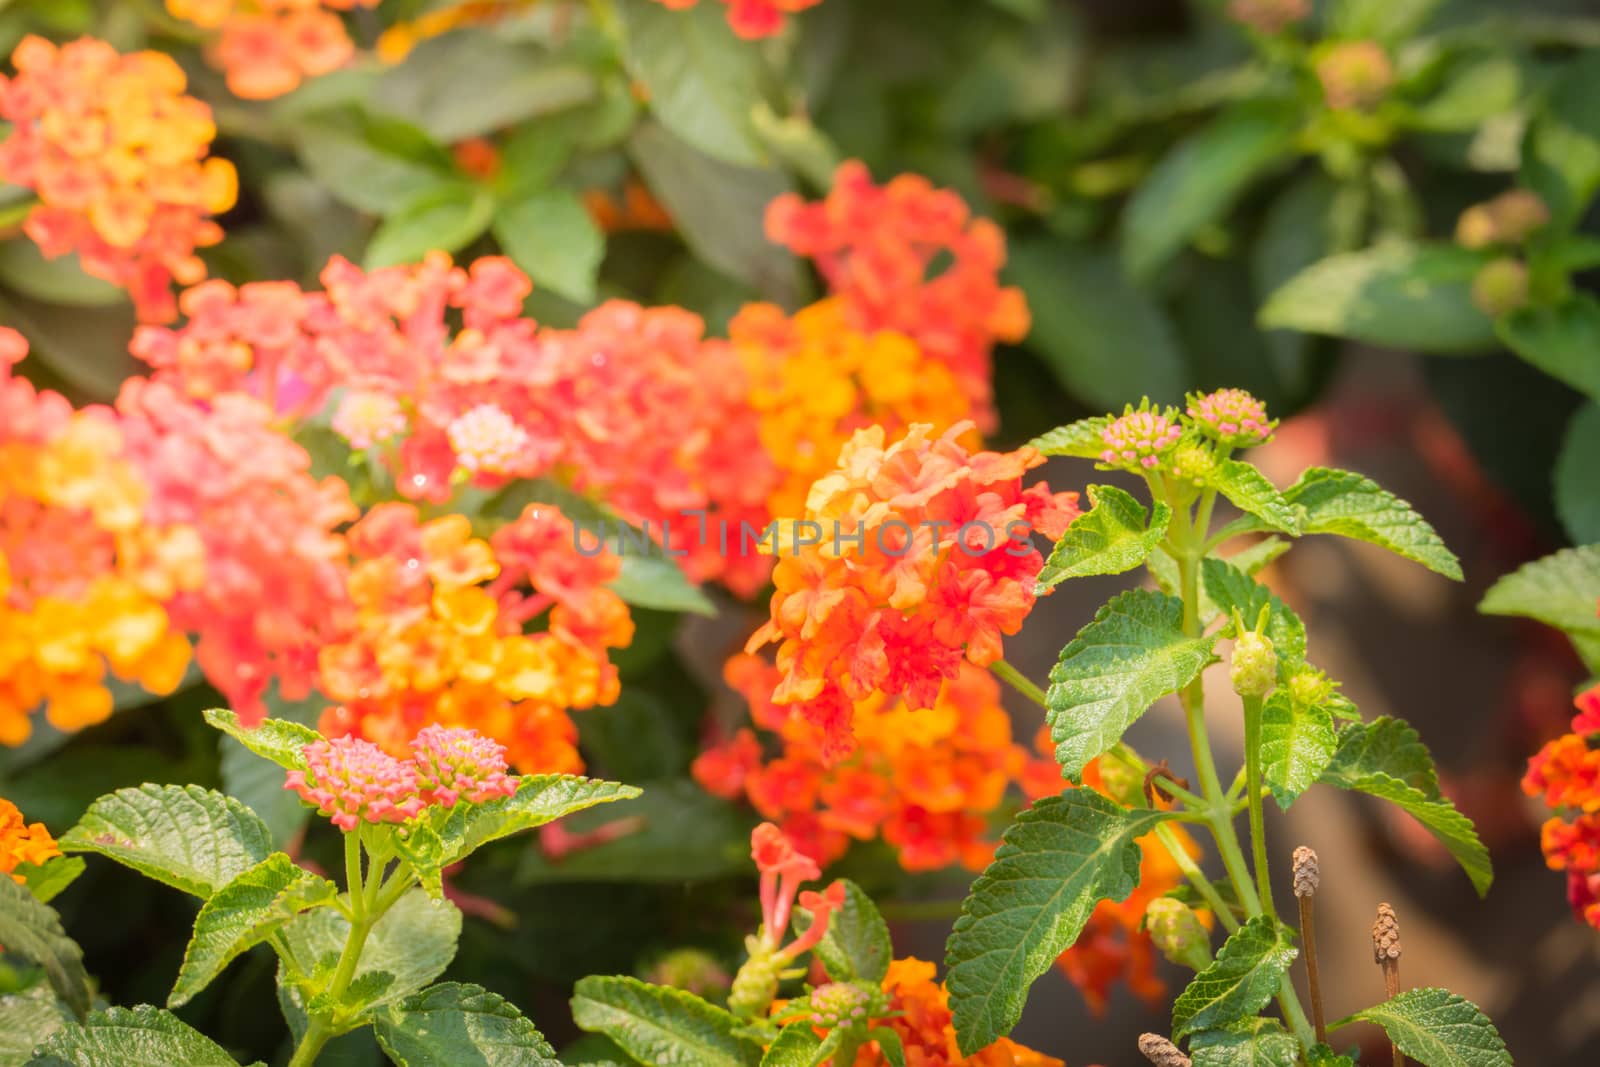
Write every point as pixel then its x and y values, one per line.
pixel 1386 936
pixel 1307 872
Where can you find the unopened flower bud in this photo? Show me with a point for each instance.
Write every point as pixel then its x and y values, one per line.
pixel 1193 463
pixel 1176 931
pixel 1355 74
pixel 1231 416
pixel 844 1004
pixel 1518 215
pixel 1254 667
pixel 1268 16
pixel 1501 287
pixel 1161 1052
pixel 1309 687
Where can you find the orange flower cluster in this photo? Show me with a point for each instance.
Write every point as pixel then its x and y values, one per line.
pixel 266 48
pixel 910 556
pixel 922 1019
pixel 22 842
pixel 815 379
pixel 926 782
pixel 118 157
pixel 439 634
pixel 752 19
pixel 1566 774
pixel 875 246
pixel 85 567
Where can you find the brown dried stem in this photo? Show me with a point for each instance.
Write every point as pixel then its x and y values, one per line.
pixel 1307 876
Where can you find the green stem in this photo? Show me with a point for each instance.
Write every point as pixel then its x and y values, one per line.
pixel 1019 681
pixel 1252 792
pixel 1196 877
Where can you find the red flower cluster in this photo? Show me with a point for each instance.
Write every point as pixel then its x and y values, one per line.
pixel 267 47
pixel 1566 774
pixel 918 557
pixel 117 154
pixel 875 246
pixel 752 19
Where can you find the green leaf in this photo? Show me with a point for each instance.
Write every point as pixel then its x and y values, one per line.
pixel 241 915
pixel 797 1045
pixel 1415 297
pixel 1228 587
pixel 1385 760
pixel 470 82
pixel 32 929
pixel 410 946
pixel 1323 1056
pixel 445 217
pixel 376 165
pixel 549 234
pixel 1438 1028
pixel 857 944
pixel 1561 154
pixel 144 1036
pixel 1297 742
pixel 1386 20
pixel 1105 339
pixel 1563 341
pixel 651 581
pixel 718 208
pixel 1560 590
pixel 192 839
pixel 55 281
pixel 1576 500
pixel 889 1045
pixel 1133 652
pixel 702 81
pixel 1253 1042
pixel 463 1026
pixel 282 741
pixel 26 1019
pixel 1351 505
pixel 1243 977
pixel 1081 439
pixel 1115 535
pixel 1199 180
pixel 662 1027
pixel 258 783
pixel 1058 860
pixel 448 835
pixel 46 881
pixel 1249 490
pixel 1477 90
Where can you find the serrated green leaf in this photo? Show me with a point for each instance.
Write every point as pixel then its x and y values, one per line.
pixel 1399 296
pixel 32 930
pixel 241 915
pixel 1254 558
pixel 1249 490
pixel 1438 1028
pixel 1134 652
pixel 1323 1056
pixel 1058 860
pixel 857 944
pixel 144 1036
pixel 445 217
pixel 1561 155
pixel 1297 742
pixel 280 740
pixel 661 1027
pixel 1103 337
pixel 448 835
pixel 1560 590
pixel 410 946
pixel 26 1019
pixel 1081 439
pixel 463 1026
pixel 1199 180
pixel 797 1045
pixel 46 880
pixel 551 236
pixel 1437 815
pixel 1227 588
pixel 703 82
pixel 1385 746
pixel 1244 976
pixel 190 838
pixel 1115 535
pixel 1561 340
pixel 1253 1042
pixel 1577 502
pixel 1351 505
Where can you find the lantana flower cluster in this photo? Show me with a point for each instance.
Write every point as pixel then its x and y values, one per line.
pixel 266 48
pixel 916 557
pixel 439 634
pixel 354 781
pixel 1565 774
pixel 752 19
pixel 22 842
pixel 875 245
pixel 119 158
pixel 87 565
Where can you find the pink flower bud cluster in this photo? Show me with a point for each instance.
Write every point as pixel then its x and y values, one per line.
pixel 354 781
pixel 1139 438
pixel 1232 416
